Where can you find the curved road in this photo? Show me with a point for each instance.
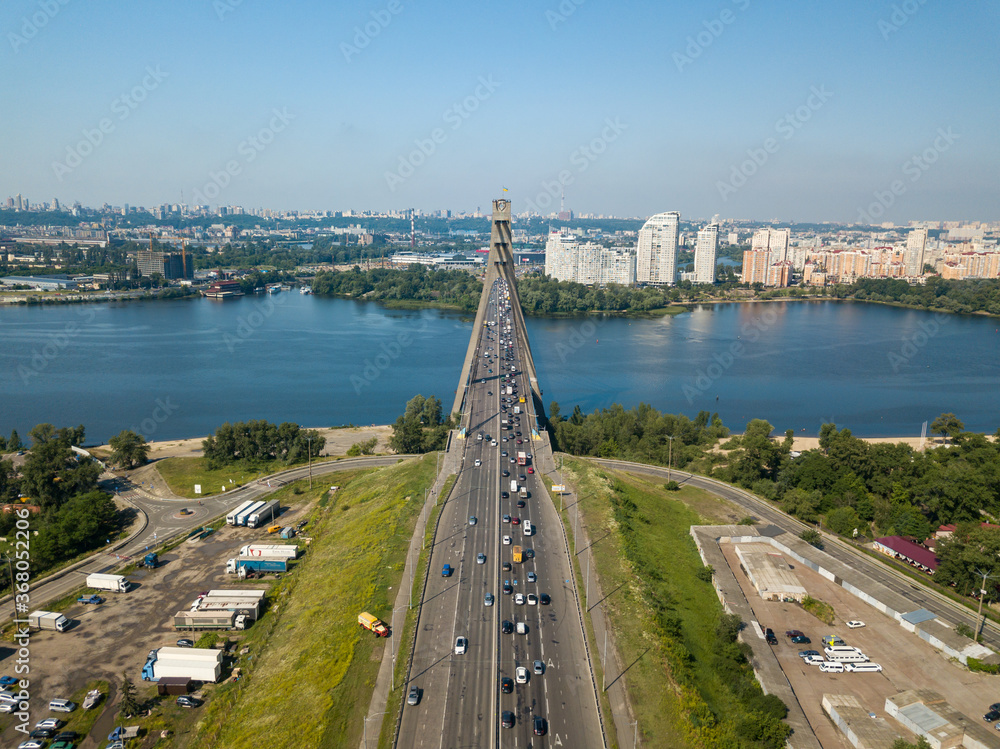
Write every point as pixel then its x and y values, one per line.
pixel 920 595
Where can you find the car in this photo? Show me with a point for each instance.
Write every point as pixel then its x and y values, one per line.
pixel 8 707
pixel 522 478
pixel 540 727
pixel 67 736
pixel 480 558
pixel 507 589
pixel 511 460
pixel 6 681
pixel 832 667
pixel 506 627
pixel 506 566
pixel 532 577
pixel 62 706
pixel 506 685
pixel 871 667
pixel 532 599
pixel 505 473
pixel 506 518
pixel 519 599
pixel 42 733
pixel 473 520
pixel 530 469
pixel 185 701
pixel 995 706
pixel 503 453
pixel 61 744
pixel 801 640
pixel 515 520
pixel 529 553
pixel 793 633
pixel 493 443
pixel 504 495
pixel 507 719
pixel 461 645
pixel 488 600
pixel 185 643
pixel 478 462
pixel 539 667
pixel 522 628
pixel 483 381
pixel 51 723
pixel 505 439
pixel 302 524
pixel 855 624
pixel 446 570
pixel 807 653
pixel 506 540
pixel 521 675
pixel 520 441
pixel 769 636
pixel 413 696
pixel 489 392
pixel 31 744
pixel 814 660
pixel 95 599
pixel 520 503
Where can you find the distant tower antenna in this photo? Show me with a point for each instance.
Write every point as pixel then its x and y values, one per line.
pixel 562 201
pixel 413 234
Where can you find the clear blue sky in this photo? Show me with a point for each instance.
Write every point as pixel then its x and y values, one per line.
pixel 556 78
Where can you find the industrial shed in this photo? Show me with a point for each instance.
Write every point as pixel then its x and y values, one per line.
pixel 770 574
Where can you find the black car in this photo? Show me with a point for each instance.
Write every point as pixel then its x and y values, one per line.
pixel 506 685
pixel 504 495
pixel 42 733
pixel 505 474
pixel 67 736
pixel 506 627
pixel 540 726
pixel 507 587
pixel 185 643
pixel 801 640
pixel 506 567
pixel 991 716
pixel 507 719
pixel 544 599
pixel 185 701
pixel 520 503
pixel 769 636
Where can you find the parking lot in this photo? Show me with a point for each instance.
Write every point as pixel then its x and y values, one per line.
pixel 908 661
pixel 116 636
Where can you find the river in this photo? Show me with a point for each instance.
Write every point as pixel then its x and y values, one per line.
pixel 173 369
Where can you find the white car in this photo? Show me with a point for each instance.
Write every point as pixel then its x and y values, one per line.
pixel 832 667
pixel 494 443
pixel 532 599
pixel 31 744
pixel 478 462
pixel 863 667
pixel 522 628
pixel 855 624
pixel 521 675
pixel 519 599
pixel 53 723
pixel 461 645
pixel 62 706
pixel 506 540
pixel 814 660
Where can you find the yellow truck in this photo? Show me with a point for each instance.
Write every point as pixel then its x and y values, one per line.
pixel 373 624
pixel 517 554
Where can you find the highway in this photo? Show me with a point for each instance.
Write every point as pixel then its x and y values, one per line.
pixel 461 703
pixel 920 595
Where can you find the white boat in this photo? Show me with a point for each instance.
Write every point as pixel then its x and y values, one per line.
pixel 93 697
pixel 305 290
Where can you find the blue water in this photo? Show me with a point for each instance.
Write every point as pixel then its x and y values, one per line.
pixel 180 368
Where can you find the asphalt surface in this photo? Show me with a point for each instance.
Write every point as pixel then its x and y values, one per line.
pixel 921 596
pixel 460 698
pixel 163 520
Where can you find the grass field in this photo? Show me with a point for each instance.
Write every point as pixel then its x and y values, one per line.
pixel 310 681
pixel 662 606
pixel 181 475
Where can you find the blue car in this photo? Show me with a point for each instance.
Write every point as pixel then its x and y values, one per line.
pixel 6 681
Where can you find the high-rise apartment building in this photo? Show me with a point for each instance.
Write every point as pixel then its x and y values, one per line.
pixel 656 252
pixel 704 254
pixel 775 241
pixel 916 243
pixel 589 263
pixel 168 265
pixel 754 266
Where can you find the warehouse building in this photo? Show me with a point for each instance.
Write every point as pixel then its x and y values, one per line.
pixel 770 574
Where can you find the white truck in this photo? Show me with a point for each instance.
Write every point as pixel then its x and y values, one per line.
pixel 513 487
pixel 237 511
pixel 197 664
pixel 116 583
pixel 48 620
pixel 264 514
pixel 270 551
pixel 209 620
pixel 242 518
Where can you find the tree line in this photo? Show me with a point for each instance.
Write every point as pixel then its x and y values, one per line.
pixel 259 442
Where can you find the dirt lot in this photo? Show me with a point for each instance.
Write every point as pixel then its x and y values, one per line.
pixel 116 636
pixel 909 662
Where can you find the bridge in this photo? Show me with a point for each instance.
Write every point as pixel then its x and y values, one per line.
pixel 510 595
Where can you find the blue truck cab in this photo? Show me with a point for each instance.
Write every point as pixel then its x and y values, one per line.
pixel 446 571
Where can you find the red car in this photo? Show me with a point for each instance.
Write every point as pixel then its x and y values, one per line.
pixel 515 521
pixel 530 469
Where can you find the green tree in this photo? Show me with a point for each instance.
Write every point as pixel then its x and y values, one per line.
pixel 128 707
pixel 947 425
pixel 812 537
pixel 129 449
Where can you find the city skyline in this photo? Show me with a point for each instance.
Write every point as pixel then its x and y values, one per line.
pixel 861 111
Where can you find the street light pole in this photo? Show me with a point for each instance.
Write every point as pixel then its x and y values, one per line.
pixel 310 441
pixel 604 657
pixel 670 457
pixel 980 622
